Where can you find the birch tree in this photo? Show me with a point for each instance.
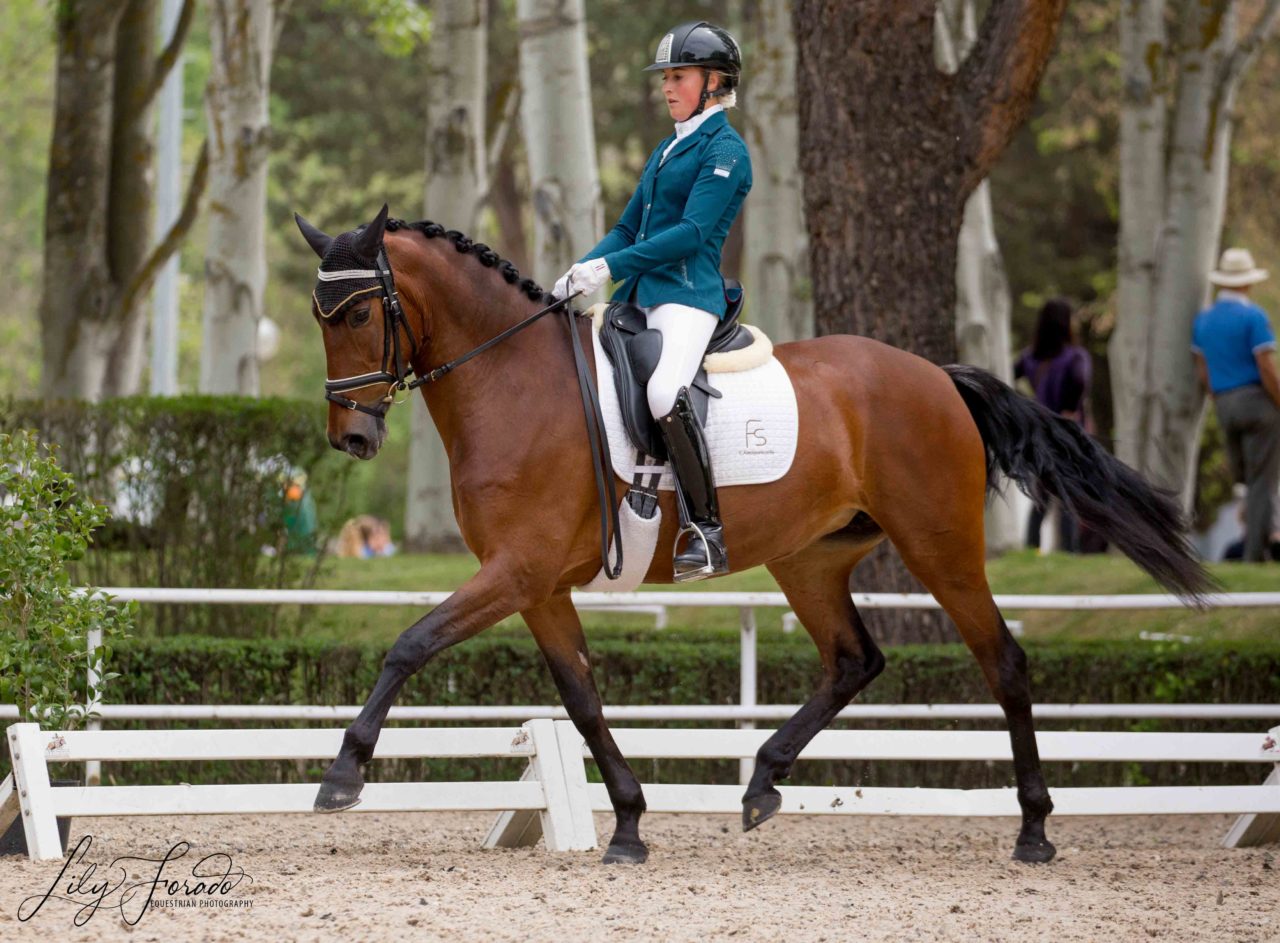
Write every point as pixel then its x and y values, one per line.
pixel 240 38
pixel 99 260
pixel 894 149
pixel 776 250
pixel 559 134
pixel 982 289
pixel 456 186
pixel 1181 77
pixel 74 305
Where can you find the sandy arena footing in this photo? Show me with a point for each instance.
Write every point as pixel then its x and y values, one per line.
pixel 424 876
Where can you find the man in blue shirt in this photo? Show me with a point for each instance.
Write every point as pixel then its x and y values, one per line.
pixel 1234 349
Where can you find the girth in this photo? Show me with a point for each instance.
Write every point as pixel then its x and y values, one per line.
pixel 633 350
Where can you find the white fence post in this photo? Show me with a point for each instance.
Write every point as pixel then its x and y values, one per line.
pixel 572 756
pixel 516 828
pixel 565 788
pixel 566 823
pixel 35 795
pixel 747 683
pixel 1257 828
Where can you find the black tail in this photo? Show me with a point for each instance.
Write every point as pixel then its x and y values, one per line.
pixel 1033 446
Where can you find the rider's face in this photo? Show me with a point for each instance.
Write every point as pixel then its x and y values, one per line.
pixel 682 88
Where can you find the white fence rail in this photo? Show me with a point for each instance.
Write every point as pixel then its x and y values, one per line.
pixel 746 713
pixel 706 713
pixel 556 777
pixel 555 799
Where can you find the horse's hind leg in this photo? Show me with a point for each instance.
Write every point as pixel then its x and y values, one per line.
pixel 816 584
pixel 948 556
pixel 558 631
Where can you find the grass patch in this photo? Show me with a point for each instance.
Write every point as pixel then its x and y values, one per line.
pixel 1019 572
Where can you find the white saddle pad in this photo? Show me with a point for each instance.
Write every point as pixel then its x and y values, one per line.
pixel 752 429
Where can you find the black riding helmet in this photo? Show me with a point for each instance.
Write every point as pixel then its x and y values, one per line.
pixel 701 44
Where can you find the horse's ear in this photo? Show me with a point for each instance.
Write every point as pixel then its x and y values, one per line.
pixel 315 238
pixel 370 238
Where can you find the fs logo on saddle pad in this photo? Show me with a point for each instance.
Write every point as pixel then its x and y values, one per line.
pixel 751 429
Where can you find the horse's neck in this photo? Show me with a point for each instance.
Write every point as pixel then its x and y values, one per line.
pixel 496 382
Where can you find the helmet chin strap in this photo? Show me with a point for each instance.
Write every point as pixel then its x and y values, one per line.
pixel 706 95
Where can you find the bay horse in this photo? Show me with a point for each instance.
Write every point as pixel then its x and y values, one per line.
pixel 894 447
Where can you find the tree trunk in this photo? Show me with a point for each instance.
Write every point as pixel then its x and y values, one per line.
pixel 983 307
pixel 776 250
pixel 559 135
pixel 129 232
pixel 164 299
pixel 887 179
pixel 1175 133
pixel 508 209
pixel 240 34
pixel 455 162
pixel 76 300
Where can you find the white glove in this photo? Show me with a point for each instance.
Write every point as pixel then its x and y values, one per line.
pixel 561 289
pixel 586 277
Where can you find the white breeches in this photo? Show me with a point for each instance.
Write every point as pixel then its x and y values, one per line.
pixel 685 333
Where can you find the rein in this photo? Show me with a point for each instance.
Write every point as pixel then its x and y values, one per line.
pixel 393 320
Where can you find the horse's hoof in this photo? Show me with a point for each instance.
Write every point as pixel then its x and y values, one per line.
pixel 626 853
pixel 335 797
pixel 756 810
pixel 1037 853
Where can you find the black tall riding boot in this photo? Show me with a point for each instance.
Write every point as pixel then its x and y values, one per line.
pixel 704 555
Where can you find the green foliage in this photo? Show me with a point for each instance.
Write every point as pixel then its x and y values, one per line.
pixel 44 525
pixel 399 26
pixel 198 484
pixel 687 667
pixel 26 122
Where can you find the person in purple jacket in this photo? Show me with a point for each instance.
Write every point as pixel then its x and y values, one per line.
pixel 1059 371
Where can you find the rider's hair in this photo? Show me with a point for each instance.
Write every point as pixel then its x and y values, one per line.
pixel 727 99
pixel 487 256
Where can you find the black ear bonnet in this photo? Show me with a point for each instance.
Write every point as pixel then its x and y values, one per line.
pixel 345 276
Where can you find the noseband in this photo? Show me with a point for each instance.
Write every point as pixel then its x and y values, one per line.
pixel 393 320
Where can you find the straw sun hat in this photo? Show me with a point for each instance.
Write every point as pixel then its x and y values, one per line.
pixel 1236 269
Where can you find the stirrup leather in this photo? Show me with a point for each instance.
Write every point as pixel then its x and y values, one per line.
pixel 704 555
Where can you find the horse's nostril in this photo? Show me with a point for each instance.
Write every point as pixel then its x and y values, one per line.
pixel 354 444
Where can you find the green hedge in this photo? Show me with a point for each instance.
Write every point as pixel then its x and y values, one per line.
pixel 677 667
pixel 197 487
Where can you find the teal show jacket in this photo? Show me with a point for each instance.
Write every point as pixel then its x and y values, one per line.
pixel 666 246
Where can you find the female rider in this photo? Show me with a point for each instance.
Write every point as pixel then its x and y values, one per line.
pixel 665 251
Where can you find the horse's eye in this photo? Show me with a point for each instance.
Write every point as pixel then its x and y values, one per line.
pixel 360 316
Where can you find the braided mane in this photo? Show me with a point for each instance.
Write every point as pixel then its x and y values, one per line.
pixel 486 255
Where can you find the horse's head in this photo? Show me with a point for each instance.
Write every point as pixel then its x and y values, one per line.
pixel 367 342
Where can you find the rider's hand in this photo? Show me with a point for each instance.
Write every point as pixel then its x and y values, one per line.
pixel 585 277
pixel 561 289
pixel 589 276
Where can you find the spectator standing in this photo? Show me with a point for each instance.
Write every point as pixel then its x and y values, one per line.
pixel 1234 350
pixel 1059 372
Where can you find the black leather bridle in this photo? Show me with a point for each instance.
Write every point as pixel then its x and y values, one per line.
pixel 393 320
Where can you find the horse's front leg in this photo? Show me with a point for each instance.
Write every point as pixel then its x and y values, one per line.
pixel 488 597
pixel 558 631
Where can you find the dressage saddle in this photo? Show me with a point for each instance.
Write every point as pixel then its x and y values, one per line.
pixel 633 350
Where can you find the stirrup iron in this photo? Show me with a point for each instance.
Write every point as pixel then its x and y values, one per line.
pixel 704 555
